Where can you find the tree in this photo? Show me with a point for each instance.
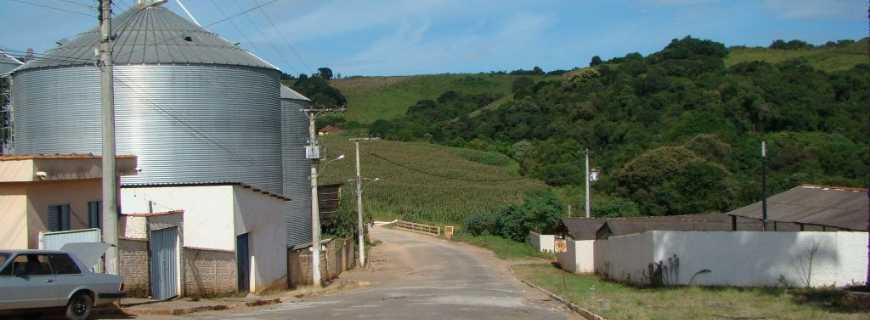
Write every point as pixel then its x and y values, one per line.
pixel 325 73
pixel 596 60
pixel 522 87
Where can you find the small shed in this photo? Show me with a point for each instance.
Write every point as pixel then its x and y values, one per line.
pixel 580 235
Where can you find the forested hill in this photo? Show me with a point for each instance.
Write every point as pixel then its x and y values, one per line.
pixel 677 131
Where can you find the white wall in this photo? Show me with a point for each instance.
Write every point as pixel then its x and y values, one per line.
pixel 542 242
pixel 208 211
pixel 262 217
pixel 743 258
pixel 579 256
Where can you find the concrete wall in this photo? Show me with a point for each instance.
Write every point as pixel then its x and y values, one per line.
pixel 262 217
pixel 208 211
pixel 542 242
pixel 209 272
pixel 742 258
pixel 579 256
pixel 339 256
pixel 134 266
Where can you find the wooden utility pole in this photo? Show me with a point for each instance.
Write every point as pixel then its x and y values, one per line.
pixel 588 196
pixel 763 185
pixel 107 103
pixel 359 204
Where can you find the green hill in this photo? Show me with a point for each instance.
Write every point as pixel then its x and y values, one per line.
pixel 373 98
pixel 827 59
pixel 426 182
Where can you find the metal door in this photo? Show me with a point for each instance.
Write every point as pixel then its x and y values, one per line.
pixel 163 263
pixel 243 259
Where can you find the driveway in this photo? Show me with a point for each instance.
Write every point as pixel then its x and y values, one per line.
pixel 413 276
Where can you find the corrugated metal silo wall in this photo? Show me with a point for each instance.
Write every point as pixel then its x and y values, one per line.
pixel 186 123
pixel 6 67
pixel 297 171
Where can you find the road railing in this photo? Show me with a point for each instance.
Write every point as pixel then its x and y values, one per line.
pixel 419 228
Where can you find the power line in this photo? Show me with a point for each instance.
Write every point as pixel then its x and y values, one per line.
pixel 54 8
pixel 243 12
pixel 281 54
pixel 440 175
pixel 285 41
pixel 79 4
pixel 235 26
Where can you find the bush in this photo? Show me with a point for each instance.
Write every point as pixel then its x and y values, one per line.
pixel 483 223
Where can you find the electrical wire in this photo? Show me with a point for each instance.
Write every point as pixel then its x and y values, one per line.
pixel 79 4
pixel 54 8
pixel 285 41
pixel 236 26
pixel 243 12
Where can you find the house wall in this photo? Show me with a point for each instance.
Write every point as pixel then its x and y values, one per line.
pixel 13 210
pixel 262 217
pixel 208 212
pixel 40 195
pixel 542 242
pixel 743 258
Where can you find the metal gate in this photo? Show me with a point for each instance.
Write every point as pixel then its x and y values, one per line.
pixel 243 260
pixel 163 263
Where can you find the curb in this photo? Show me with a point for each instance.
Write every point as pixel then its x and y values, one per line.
pixel 589 315
pixel 184 311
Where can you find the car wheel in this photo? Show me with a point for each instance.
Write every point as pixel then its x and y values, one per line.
pixel 79 307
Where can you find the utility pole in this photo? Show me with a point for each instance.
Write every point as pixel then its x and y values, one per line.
pixel 107 103
pixel 763 185
pixel 588 196
pixel 312 152
pixel 359 204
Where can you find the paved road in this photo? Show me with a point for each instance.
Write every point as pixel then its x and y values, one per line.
pixel 418 277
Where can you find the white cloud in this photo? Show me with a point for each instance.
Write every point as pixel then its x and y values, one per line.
pixel 803 9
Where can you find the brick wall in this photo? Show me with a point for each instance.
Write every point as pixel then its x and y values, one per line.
pixel 209 272
pixel 340 256
pixel 134 266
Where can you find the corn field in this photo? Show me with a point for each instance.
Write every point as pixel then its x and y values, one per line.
pixel 423 182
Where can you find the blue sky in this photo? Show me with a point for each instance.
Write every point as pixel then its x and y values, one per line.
pixel 400 37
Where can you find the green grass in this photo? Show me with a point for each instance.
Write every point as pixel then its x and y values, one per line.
pixel 426 183
pixel 827 59
pixel 373 98
pixel 617 301
pixel 503 248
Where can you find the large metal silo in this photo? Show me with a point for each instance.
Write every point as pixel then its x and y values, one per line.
pixel 190 105
pixel 8 63
pixel 297 168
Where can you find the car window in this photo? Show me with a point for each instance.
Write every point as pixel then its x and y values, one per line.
pixel 7 271
pixel 35 264
pixel 3 258
pixel 63 264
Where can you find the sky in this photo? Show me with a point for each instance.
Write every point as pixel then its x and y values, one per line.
pixel 403 37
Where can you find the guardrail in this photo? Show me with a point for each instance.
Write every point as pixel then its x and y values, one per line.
pixel 419 228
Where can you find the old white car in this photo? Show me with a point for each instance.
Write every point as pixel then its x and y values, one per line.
pixel 42 279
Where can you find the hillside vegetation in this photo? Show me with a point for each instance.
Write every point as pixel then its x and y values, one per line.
pixel 677 131
pixel 834 58
pixel 375 98
pixel 426 182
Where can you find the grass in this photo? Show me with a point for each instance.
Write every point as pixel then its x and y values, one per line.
pixel 373 98
pixel 617 301
pixel 503 248
pixel 424 182
pixel 827 59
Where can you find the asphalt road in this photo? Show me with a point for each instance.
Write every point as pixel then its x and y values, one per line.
pixel 419 277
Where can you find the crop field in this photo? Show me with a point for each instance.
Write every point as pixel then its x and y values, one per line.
pixel 373 98
pixel 425 182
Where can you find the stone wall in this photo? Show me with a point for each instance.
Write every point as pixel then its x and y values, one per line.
pixel 209 272
pixel 134 266
pixel 340 255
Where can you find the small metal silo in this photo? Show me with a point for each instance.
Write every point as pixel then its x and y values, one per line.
pixel 297 169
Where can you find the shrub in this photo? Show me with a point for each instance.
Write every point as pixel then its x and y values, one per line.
pixel 482 223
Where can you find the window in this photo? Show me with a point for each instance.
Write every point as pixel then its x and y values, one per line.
pixel 29 264
pixel 58 217
pixel 6 271
pixel 95 218
pixel 63 264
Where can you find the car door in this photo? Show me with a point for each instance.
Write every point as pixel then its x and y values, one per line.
pixel 29 283
pixel 67 277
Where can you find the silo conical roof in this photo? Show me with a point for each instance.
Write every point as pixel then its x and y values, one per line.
pixel 287 93
pixel 150 35
pixel 8 62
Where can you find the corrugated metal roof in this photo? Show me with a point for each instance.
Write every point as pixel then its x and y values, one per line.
pixel 686 222
pixel 287 93
pixel 150 35
pixel 826 206
pixel 582 228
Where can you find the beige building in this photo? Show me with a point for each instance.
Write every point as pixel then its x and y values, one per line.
pixel 40 193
